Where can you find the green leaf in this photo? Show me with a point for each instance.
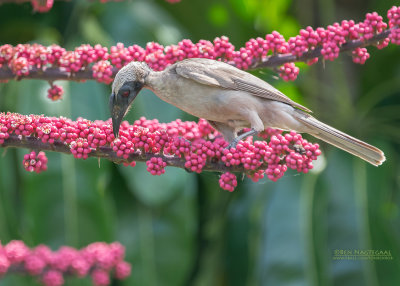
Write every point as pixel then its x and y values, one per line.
pixel 344 220
pixel 94 32
pixel 218 15
pixel 159 241
pixel 283 256
pixel 156 190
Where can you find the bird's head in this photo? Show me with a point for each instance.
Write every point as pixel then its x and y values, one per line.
pixel 127 84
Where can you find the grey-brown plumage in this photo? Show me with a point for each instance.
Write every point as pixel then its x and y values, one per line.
pixel 230 99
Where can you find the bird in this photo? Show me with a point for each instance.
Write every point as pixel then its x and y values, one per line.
pixel 230 99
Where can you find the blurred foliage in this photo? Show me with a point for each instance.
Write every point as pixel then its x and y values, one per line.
pixel 180 228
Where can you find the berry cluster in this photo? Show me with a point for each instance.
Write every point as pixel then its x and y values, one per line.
pixel 103 72
pixel 288 71
pixel 55 92
pixel 228 181
pixel 3 133
pixel 196 145
pixel 394 22
pixel 42 6
pixel 35 163
pixel 99 260
pixel 80 148
pixel 103 63
pixel 360 55
pixel 155 166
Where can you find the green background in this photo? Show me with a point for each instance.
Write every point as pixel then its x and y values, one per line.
pixel 181 228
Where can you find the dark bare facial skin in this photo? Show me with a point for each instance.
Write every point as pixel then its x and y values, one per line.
pixel 119 103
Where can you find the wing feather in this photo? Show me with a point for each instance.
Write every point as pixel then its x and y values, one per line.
pixel 219 74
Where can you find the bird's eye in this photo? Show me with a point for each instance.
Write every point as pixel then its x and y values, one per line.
pixel 125 93
pixel 138 85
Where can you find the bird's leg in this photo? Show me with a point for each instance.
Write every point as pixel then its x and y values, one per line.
pixel 228 132
pixel 256 126
pixel 235 141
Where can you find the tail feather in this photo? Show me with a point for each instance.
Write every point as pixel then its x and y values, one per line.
pixel 341 140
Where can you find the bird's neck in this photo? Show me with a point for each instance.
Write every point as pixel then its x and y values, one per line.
pixel 161 83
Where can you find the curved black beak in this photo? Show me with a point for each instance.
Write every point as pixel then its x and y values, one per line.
pixel 119 105
pixel 117 114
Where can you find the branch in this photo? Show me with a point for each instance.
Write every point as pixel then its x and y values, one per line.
pixel 107 152
pixel 50 74
pixel 99 63
pixel 59 73
pixel 195 147
pixel 280 59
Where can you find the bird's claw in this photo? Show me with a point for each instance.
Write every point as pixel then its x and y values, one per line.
pixel 232 145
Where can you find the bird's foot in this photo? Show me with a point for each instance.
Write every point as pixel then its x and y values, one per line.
pixel 244 135
pixel 232 144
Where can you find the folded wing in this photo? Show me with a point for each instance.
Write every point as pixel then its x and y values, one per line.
pixel 219 74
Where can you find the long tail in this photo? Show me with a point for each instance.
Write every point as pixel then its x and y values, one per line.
pixel 341 140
